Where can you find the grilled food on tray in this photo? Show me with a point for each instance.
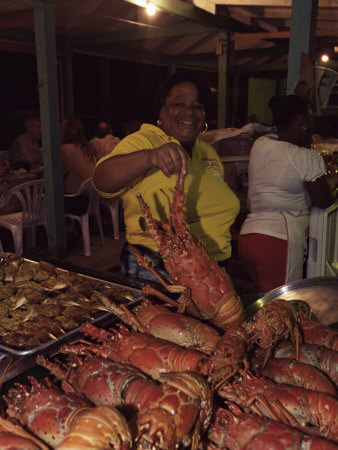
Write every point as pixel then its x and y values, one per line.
pixel 39 302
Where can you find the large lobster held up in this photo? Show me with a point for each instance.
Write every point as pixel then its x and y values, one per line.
pixel 188 263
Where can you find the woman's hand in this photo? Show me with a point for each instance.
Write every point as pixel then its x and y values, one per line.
pixel 118 171
pixel 170 158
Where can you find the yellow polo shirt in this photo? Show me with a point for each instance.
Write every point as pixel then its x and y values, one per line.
pixel 210 207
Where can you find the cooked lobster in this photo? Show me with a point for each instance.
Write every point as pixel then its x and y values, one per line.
pixel 315 333
pixel 226 353
pixel 291 371
pixel 273 322
pixel 102 427
pixel 315 355
pixel 166 412
pixel 235 430
pixel 188 263
pixel 292 405
pixel 44 409
pixel 155 356
pixel 161 322
pixel 13 436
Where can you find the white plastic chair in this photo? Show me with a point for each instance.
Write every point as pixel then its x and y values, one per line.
pixel 32 200
pixel 113 205
pixel 87 188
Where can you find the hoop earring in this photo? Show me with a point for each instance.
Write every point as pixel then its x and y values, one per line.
pixel 158 122
pixel 205 127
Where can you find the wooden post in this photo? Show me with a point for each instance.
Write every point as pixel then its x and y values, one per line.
pixel 302 38
pixel 50 122
pixel 222 52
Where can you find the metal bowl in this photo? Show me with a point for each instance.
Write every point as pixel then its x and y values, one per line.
pixel 320 293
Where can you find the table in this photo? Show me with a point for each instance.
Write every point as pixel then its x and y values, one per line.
pixel 11 178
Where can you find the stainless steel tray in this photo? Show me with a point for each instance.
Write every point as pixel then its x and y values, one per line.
pixel 100 318
pixel 320 293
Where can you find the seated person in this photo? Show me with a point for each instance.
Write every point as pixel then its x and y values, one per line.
pixel 25 150
pixel 131 126
pixel 78 163
pixel 104 141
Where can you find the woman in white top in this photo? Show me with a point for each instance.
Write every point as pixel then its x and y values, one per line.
pixel 286 178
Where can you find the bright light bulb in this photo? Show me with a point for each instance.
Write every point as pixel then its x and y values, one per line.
pixel 151 9
pixel 325 58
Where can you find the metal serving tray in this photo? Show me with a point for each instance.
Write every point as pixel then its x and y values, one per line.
pixel 320 293
pixel 100 318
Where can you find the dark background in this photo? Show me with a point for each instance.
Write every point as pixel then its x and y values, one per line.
pixel 132 93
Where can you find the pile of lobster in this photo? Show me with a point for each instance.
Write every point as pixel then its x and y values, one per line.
pixel 199 379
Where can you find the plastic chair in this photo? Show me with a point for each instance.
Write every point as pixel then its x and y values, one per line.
pixel 113 205
pixel 32 200
pixel 87 188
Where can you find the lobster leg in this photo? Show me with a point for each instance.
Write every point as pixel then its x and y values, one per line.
pixel 185 299
pixel 142 261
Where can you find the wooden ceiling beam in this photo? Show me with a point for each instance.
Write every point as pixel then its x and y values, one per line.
pixel 271 3
pixel 242 15
pixel 187 11
pixel 17 47
pixel 87 8
pixel 276 13
pixel 17 19
pixel 179 29
pixel 279 35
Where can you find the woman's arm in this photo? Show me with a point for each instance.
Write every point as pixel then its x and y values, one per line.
pixel 118 171
pixel 319 192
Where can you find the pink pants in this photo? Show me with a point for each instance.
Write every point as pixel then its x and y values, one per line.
pixel 265 258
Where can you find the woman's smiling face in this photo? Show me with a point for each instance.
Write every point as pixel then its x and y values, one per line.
pixel 182 115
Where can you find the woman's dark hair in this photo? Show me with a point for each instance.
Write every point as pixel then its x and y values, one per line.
pixel 285 109
pixel 203 89
pixel 73 133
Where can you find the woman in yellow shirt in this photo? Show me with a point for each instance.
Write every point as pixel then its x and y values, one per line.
pixel 148 161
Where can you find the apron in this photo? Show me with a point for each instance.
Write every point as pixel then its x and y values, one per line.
pixel 297 227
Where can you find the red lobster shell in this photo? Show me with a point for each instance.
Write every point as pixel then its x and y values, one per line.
pixel 155 356
pixel 273 322
pixel 226 353
pixel 166 412
pixel 237 430
pixel 102 427
pixel 188 264
pixel 44 409
pixel 315 355
pixel 315 333
pixel 291 371
pixel 13 436
pixel 297 406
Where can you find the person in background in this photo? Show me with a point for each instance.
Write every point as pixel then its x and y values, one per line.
pixel 148 162
pixel 286 178
pixel 104 141
pixel 25 151
pixel 78 163
pixel 131 126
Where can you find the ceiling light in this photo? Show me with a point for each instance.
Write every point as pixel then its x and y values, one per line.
pixel 325 57
pixel 150 8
